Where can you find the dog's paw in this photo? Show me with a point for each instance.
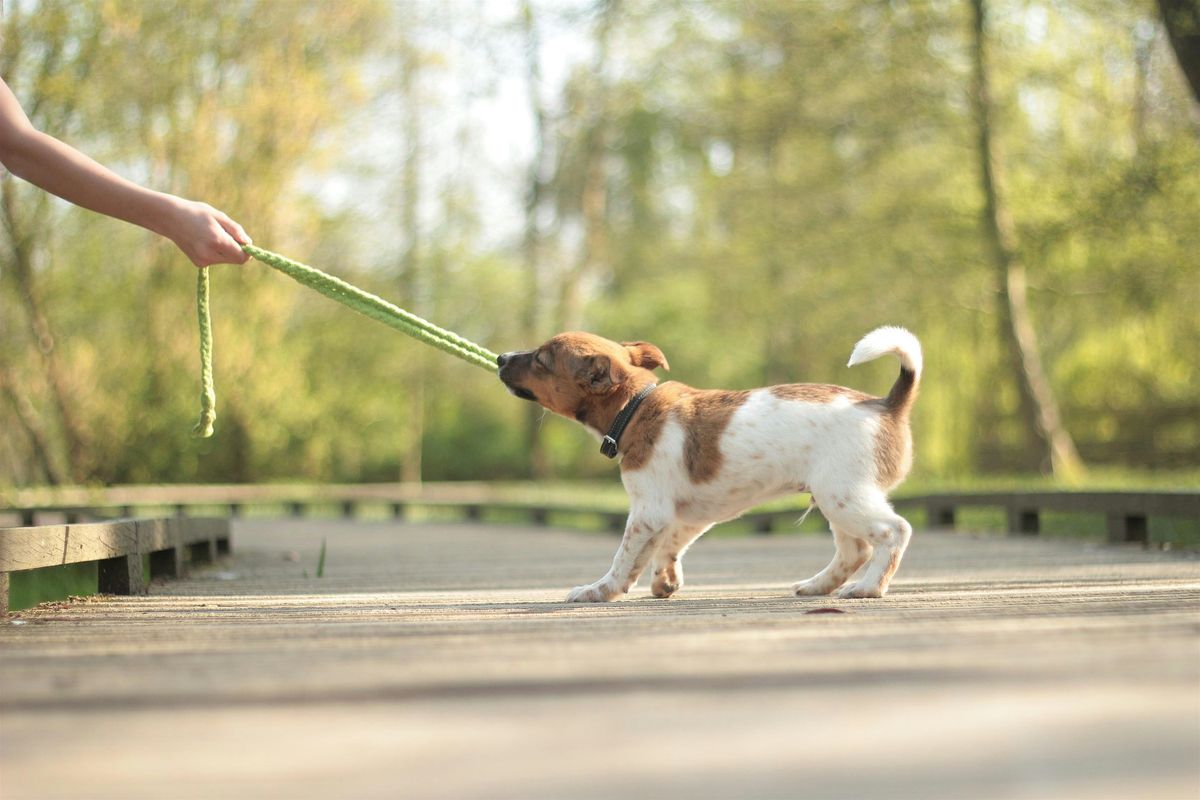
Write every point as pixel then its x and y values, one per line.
pixel 855 590
pixel 662 587
pixel 812 588
pixel 592 593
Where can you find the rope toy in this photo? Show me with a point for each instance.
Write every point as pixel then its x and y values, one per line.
pixel 345 293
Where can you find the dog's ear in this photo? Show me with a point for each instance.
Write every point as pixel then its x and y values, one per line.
pixel 644 354
pixel 596 373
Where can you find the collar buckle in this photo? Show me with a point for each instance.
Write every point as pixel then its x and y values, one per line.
pixel 608 446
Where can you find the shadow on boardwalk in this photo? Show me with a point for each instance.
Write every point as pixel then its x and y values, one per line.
pixel 436 661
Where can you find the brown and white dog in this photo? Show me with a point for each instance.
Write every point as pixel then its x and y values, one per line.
pixel 691 458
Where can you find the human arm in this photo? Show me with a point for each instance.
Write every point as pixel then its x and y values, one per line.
pixel 204 234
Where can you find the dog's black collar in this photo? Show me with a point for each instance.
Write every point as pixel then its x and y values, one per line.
pixel 609 445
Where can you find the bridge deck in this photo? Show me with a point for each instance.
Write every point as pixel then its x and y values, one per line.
pixel 436 661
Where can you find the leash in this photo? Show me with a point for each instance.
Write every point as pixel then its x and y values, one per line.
pixel 345 293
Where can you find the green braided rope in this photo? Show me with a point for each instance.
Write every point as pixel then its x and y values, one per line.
pixel 377 308
pixel 347 294
pixel 208 393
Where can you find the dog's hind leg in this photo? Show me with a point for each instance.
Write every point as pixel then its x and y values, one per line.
pixel 668 571
pixel 641 539
pixel 870 518
pixel 851 554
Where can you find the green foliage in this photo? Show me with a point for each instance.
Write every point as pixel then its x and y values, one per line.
pixel 752 186
pixel 30 587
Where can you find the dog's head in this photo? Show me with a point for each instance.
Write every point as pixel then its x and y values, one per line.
pixel 580 375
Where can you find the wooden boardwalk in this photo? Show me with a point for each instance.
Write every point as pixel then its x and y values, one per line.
pixel 437 662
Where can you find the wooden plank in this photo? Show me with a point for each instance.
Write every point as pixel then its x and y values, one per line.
pixel 32 547
pixel 51 545
pixel 94 541
pixel 157 534
pixel 3 594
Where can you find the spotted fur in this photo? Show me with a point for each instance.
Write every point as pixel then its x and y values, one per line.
pixel 691 457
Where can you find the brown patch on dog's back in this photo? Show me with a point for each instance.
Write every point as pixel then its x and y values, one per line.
pixel 816 392
pixel 647 423
pixel 703 414
pixel 704 420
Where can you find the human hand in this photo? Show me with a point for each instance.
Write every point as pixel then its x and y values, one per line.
pixel 206 235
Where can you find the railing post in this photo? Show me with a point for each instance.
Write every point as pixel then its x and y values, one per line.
pixel 1125 528
pixel 3 594
pixel 762 524
pixel 296 509
pixel 1023 521
pixel 348 509
pixel 939 516
pixel 473 511
pixel 235 509
pixel 121 575
pixel 203 552
pixel 166 563
pixel 398 511
pixel 27 517
pixel 538 516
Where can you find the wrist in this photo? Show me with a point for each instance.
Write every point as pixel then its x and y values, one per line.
pixel 165 214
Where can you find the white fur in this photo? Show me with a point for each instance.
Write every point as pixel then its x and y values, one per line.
pixel 772 447
pixel 889 339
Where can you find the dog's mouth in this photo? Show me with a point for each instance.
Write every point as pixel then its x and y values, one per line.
pixel 521 392
pixel 517 391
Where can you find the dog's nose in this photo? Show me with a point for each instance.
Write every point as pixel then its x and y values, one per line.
pixel 503 359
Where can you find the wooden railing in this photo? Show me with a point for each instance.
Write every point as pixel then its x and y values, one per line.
pixel 1127 513
pixel 118 546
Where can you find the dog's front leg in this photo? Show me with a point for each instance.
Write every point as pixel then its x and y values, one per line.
pixel 668 569
pixel 641 538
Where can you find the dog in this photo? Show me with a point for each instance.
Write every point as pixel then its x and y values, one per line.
pixel 691 458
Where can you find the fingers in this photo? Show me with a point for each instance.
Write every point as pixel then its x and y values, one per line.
pixel 207 235
pixel 232 228
pixel 223 243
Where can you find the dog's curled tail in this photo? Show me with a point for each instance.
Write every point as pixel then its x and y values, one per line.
pixel 890 339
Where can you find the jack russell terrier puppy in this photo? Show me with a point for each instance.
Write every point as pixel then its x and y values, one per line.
pixel 691 458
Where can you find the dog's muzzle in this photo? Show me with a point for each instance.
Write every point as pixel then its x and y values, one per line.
pixel 506 361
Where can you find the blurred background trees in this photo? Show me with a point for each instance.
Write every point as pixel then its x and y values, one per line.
pixel 751 186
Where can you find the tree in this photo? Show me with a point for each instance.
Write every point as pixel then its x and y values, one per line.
pixel 1182 21
pixel 1039 407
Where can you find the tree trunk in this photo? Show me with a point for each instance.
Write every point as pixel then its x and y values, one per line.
pixel 532 241
pixel 1181 18
pixel 1039 408
pixel 410 278
pixel 593 195
pixel 43 341
pixel 32 425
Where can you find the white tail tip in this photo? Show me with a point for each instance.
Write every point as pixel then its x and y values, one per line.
pixel 889 339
